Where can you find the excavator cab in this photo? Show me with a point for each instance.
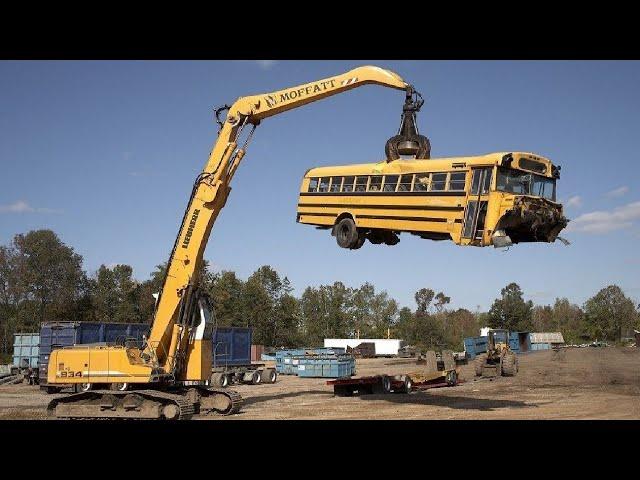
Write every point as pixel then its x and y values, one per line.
pixel 499 360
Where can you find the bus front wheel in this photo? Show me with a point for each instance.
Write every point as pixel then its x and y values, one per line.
pixel 347 233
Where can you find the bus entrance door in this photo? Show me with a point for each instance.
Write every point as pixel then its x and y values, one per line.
pixel 477 201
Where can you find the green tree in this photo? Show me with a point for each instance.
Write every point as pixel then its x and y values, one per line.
pixel 405 327
pixel 49 278
pixel 441 300
pixel 610 314
pixel 424 297
pixel 41 279
pixel 115 295
pixel 460 323
pixel 225 290
pixel 511 311
pixel 269 308
pixel 543 319
pixel 569 319
pixel 327 312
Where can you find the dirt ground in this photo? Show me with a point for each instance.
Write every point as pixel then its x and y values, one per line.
pixel 586 383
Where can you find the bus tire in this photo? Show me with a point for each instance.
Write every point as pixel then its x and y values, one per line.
pixel 346 233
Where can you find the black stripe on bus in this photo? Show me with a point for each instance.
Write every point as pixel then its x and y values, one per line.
pixel 382 194
pixel 419 219
pixel 389 207
pixel 411 219
pixel 382 217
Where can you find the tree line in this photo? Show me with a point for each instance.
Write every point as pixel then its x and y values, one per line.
pixel 42 279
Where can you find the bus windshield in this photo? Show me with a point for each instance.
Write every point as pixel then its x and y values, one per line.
pixel 525 183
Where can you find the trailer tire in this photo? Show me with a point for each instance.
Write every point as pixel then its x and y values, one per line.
pixel 269 375
pixel 219 380
pixel 479 362
pixel 256 378
pixel 384 386
pixel 407 385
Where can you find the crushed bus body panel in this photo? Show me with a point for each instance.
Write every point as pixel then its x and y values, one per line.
pixel 497 199
pixel 532 220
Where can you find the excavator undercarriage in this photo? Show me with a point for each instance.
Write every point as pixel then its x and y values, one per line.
pixel 146 404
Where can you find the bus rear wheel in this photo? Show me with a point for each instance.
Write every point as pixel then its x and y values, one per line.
pixel 347 234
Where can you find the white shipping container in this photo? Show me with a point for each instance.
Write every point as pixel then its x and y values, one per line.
pixel 384 346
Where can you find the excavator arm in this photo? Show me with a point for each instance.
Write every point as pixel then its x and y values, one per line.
pixel 172 324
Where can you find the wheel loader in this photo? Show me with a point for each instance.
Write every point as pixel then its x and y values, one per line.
pixel 499 360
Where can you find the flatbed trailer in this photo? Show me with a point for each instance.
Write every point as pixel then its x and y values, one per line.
pixel 382 384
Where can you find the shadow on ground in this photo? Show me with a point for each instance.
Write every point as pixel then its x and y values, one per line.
pixel 281 396
pixel 449 401
pixel 417 398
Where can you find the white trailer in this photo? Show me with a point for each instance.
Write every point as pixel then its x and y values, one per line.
pixel 385 347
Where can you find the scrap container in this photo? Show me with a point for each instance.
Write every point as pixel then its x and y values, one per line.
pixel 26 349
pixel 326 366
pixel 231 346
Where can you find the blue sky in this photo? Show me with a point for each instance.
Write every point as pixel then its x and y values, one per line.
pixel 105 153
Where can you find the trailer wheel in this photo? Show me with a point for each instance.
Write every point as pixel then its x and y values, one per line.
pixel 407 385
pixel 120 387
pixel 452 378
pixel 256 377
pixel 383 386
pixel 219 380
pixel 269 375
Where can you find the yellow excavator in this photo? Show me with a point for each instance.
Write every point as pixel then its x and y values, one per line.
pixel 169 376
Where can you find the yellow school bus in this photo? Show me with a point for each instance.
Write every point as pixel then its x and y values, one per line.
pixel 497 199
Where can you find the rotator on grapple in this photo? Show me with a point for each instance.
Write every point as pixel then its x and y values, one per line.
pixel 408 140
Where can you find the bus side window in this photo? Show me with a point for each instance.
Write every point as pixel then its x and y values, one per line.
pixel 324 184
pixel 361 184
pixel 313 185
pixel 487 181
pixel 438 182
pixel 336 183
pixel 421 183
pixel 405 183
pixel 376 183
pixel 347 185
pixel 479 173
pixel 390 182
pixel 457 180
